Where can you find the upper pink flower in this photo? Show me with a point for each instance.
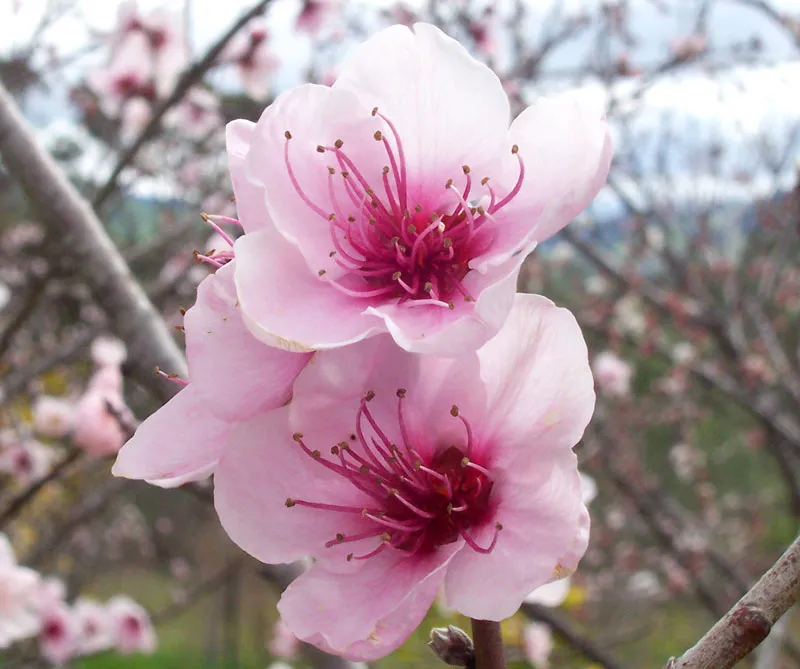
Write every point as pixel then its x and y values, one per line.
pixel 403 201
pixel 397 473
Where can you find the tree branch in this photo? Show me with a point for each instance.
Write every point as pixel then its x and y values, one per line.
pixel 748 623
pixel 86 243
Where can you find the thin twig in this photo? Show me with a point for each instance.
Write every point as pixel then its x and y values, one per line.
pixel 489 652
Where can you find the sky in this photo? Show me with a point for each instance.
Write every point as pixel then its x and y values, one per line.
pixel 742 103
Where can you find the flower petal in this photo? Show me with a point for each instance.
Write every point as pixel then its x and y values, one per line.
pixel 449 109
pixel 250 199
pixel 180 442
pixel 367 615
pixel 565 143
pixel 235 373
pixel 539 512
pixel 538 381
pixel 263 467
pixel 286 306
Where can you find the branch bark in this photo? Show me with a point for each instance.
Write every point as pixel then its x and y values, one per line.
pixel 749 622
pixel 489 652
pixel 85 242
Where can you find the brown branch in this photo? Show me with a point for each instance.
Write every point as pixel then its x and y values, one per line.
pixel 189 78
pixel 489 652
pixel 86 243
pixel 748 623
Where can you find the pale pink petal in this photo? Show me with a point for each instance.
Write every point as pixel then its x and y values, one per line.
pixel 449 108
pixel 287 306
pixel 234 373
pixel 565 144
pixel 538 380
pixel 539 512
pixel 250 198
pixel 180 442
pixel 551 594
pixel 364 616
pixel 260 469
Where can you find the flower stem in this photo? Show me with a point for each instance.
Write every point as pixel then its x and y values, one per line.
pixel 488 645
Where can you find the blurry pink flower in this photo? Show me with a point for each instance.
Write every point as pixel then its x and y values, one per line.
pixel 108 351
pixel 538 644
pixel 26 461
pixel 136 114
pixel 402 201
pixel 613 375
pixel 249 52
pixel 129 75
pixel 18 587
pixel 198 114
pixel 59 634
pixel 95 625
pixel 283 644
pixel 233 377
pixel 314 13
pixel 53 417
pixel 162 31
pixel 102 419
pixel 50 592
pixel 444 470
pixel 688 48
pixel 134 630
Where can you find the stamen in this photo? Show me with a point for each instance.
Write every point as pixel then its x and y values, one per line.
pixel 474 546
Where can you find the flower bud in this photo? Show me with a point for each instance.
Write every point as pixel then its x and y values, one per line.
pixel 453 646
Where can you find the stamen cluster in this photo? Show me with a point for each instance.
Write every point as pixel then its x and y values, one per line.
pixel 415 505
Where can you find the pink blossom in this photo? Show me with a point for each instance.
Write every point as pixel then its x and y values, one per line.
pixel 50 592
pixel 443 471
pixel 538 644
pixel 26 460
pixel 108 352
pixel 95 624
pixel 53 417
pixel 233 377
pixel 102 419
pixel 249 51
pixel 134 630
pixel 198 114
pixel 402 201
pixel 613 375
pixel 18 587
pixel 689 48
pixel 314 13
pixel 59 634
pixel 128 75
pixel 283 644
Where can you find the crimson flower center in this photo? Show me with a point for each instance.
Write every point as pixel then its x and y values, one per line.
pixel 386 246
pixel 414 504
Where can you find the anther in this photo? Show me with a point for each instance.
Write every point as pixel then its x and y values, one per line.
pixel 396 276
pixel 297 436
pixel 428 287
pixel 338 143
pixel 447 242
pixel 322 272
pixel 484 181
pixel 369 395
pixel 449 183
pixel 465 169
pixel 351 218
pixel 316 455
pixel 334 450
pixel 289 502
pixel 320 148
pixel 374 111
pixel 385 169
pixel 339 537
pixel 331 171
pixel 418 208
pixel 287 135
pixel 378 135
pixel 498 526
pixel 451 304
pixel 401 392
pixel 464 461
pixel 364 469
pixel 515 149
pixel 412 229
pixel 454 411
pixel 349 557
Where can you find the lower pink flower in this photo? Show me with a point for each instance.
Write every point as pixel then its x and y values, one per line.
pixel 59 634
pixel 398 473
pixel 132 625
